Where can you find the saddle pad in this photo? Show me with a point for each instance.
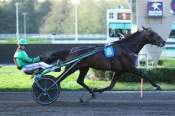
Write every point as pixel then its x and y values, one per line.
pixel 109 51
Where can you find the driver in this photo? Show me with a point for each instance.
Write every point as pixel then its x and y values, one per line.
pixel 26 63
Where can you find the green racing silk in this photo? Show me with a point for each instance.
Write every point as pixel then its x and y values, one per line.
pixel 23 59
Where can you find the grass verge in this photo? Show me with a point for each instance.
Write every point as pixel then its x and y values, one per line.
pixel 12 79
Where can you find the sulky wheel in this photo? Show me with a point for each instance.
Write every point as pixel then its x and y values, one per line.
pixel 45 91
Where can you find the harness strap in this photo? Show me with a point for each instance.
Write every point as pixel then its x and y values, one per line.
pixel 111 63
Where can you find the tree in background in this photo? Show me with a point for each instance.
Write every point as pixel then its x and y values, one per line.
pixel 59 19
pixel 35 13
pixel 57 16
pixel 91 16
pixel 42 10
pixel 7 22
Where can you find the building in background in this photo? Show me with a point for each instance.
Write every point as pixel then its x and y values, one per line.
pixel 118 22
pixel 157 15
pixel 169 49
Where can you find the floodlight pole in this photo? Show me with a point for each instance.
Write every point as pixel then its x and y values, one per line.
pixel 17 21
pixel 76 3
pixel 24 15
pixel 76 21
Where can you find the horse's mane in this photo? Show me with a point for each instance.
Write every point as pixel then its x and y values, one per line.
pixel 127 38
pixel 131 36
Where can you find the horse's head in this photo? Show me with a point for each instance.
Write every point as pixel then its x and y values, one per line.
pixel 152 37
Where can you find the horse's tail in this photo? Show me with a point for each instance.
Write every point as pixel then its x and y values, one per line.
pixel 61 54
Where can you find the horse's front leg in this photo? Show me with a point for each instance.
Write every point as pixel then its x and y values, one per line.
pixel 142 75
pixel 80 80
pixel 113 82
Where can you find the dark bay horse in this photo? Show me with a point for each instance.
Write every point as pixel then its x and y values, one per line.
pixel 124 61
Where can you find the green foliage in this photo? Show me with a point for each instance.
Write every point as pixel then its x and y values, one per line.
pixel 7 14
pixel 35 13
pixel 155 74
pixel 91 16
pixel 58 19
pixel 102 75
pixel 168 62
pixel 163 74
pixel 57 16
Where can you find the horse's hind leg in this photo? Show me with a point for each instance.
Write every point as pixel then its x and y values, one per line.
pixel 80 80
pixel 140 73
pixel 113 82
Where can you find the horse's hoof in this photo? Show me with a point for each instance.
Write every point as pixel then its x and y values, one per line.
pixel 94 90
pixel 97 90
pixel 84 101
pixel 81 100
pixel 93 96
pixel 158 88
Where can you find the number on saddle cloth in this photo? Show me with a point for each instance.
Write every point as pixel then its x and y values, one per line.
pixel 109 51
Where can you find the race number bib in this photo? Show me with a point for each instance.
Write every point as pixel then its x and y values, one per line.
pixel 109 51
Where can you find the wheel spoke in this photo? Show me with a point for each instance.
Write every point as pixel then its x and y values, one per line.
pixel 45 83
pixel 50 98
pixel 51 89
pixel 51 86
pixel 40 95
pixel 39 85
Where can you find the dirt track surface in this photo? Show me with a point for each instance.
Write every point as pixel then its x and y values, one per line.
pixel 111 103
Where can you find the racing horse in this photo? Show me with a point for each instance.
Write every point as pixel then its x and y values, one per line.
pixel 124 61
